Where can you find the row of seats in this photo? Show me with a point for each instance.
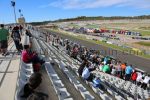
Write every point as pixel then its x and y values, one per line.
pixel 85 94
pixel 25 71
pixel 62 63
pixel 128 86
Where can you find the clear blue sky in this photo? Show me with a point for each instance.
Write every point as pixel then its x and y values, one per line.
pixel 41 10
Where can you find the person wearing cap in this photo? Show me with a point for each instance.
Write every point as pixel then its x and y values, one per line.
pixel 4 34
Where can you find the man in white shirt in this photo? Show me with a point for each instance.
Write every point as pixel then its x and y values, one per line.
pixel 139 78
pixel 145 82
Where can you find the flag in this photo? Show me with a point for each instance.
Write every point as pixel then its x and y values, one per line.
pixel 12 3
pixel 20 10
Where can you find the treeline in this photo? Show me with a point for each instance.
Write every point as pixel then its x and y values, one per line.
pixel 39 23
pixel 85 18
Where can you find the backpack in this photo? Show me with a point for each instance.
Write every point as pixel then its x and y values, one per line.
pixel 16 35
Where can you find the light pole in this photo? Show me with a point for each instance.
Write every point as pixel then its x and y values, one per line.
pixel 13 5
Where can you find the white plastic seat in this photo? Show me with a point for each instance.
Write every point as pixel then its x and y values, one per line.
pixel 58 83
pixel 62 92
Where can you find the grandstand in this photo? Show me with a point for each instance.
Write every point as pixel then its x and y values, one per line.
pixel 60 80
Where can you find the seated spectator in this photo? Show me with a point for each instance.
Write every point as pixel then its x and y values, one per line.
pixel 134 77
pixel 87 75
pixel 145 82
pixel 31 57
pixel 82 66
pixel 128 72
pixel 97 83
pixel 106 69
pixel 34 81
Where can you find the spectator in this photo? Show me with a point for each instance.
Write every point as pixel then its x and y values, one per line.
pixel 28 33
pixel 16 37
pixel 128 72
pixel 145 82
pixel 97 83
pixel 31 57
pixel 134 77
pixel 118 69
pixel 20 29
pixel 34 81
pixel 82 66
pixel 139 78
pixel 87 75
pixel 3 40
pixel 101 66
pixel 123 67
pixel 113 72
pixel 106 69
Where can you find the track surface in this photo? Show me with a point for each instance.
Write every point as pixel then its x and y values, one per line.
pixel 136 61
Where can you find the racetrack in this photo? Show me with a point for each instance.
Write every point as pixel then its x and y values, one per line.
pixel 136 61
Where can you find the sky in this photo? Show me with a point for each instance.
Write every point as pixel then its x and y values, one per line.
pixel 42 10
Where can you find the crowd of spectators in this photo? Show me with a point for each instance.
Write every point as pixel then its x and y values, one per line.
pixel 91 60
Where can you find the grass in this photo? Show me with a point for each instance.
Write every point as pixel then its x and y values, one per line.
pixel 127 50
pixel 144 43
pixel 74 25
pixel 92 26
pixel 144 33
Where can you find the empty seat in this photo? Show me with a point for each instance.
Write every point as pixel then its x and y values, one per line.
pixel 58 83
pixel 62 92
pixel 87 96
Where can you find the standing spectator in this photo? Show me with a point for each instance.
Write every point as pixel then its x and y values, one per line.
pixel 145 82
pixel 139 78
pixel 20 29
pixel 118 68
pixel 123 67
pixel 28 33
pixel 134 77
pixel 106 69
pixel 16 37
pixel 3 40
pixel 128 72
pixel 113 72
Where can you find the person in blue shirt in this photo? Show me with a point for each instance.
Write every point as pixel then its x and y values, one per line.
pixel 128 72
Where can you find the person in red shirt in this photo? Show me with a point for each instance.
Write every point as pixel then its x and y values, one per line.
pixel 32 57
pixel 134 77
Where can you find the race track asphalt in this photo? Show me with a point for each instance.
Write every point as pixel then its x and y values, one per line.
pixel 136 61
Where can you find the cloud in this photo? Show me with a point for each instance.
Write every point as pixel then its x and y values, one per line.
pixel 83 4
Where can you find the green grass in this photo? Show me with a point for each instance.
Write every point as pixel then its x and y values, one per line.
pixel 144 43
pixel 144 28
pixel 74 25
pixel 144 33
pixel 127 50
pixel 92 26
